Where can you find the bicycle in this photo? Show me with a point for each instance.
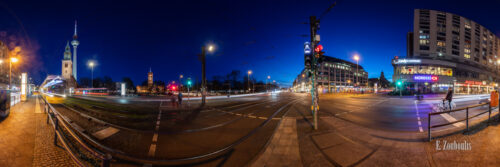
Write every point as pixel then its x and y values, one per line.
pixel 445 106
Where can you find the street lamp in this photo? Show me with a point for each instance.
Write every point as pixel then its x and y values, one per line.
pixel 12 60
pixel 203 72
pixel 180 82
pixel 249 72
pixel 91 65
pixel 356 57
pixel 267 83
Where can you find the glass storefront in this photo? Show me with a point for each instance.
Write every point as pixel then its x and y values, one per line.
pixel 423 69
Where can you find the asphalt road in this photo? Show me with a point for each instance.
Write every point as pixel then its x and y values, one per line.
pixel 400 114
pixel 155 129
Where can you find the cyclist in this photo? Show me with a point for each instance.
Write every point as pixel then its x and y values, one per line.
pixel 449 97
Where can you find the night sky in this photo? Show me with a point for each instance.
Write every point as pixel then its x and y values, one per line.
pixel 267 37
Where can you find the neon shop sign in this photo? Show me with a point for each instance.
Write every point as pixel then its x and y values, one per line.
pixel 432 78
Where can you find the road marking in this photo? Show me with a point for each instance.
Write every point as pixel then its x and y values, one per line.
pixel 449 118
pixel 152 148
pixel 418 118
pixel 155 137
pixel 37 107
pixel 105 133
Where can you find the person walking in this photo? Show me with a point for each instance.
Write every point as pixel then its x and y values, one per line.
pixel 449 96
pixel 179 98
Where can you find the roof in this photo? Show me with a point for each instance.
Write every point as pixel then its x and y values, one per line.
pixel 337 60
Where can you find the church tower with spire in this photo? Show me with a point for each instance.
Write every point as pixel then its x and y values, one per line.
pixel 67 65
pixel 75 44
pixel 150 78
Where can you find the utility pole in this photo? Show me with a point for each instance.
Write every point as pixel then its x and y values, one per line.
pixel 314 24
pixel 203 76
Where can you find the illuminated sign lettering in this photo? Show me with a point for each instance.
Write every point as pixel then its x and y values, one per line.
pixel 474 82
pixel 426 78
pixel 406 61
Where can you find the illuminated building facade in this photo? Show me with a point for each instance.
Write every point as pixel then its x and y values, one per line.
pixel 335 75
pixel 4 69
pixel 446 50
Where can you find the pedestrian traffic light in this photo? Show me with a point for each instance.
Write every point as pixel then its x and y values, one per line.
pixel 189 83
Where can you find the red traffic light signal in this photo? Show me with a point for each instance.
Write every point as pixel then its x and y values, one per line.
pixel 318 48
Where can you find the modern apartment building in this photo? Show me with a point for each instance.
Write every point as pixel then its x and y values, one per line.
pixel 447 50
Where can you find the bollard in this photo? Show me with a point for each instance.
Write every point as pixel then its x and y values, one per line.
pixel 467 118
pixel 55 130
pixel 429 127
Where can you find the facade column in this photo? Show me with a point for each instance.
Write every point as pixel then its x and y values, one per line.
pixel 468 88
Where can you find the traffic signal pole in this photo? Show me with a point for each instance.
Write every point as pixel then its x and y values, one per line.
pixel 314 91
pixel 316 60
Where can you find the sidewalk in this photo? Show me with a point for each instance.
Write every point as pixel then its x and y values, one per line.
pixel 338 142
pixel 26 139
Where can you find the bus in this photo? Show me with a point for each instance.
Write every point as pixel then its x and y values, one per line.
pixel 91 91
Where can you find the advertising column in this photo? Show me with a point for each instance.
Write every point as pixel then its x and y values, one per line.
pixel 23 86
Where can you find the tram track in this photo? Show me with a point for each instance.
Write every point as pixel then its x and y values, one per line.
pixel 248 108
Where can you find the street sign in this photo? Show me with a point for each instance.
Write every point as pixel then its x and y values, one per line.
pixel 307 48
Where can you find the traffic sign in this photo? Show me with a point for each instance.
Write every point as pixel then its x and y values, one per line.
pixel 307 48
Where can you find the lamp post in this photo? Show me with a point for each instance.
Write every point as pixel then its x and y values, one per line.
pixel 92 64
pixel 267 83
pixel 203 72
pixel 180 82
pixel 249 72
pixel 356 57
pixel 12 60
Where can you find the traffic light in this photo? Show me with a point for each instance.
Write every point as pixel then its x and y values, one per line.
pixel 399 83
pixel 319 57
pixel 308 61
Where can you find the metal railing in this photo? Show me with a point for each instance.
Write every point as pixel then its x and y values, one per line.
pixel 65 135
pixel 466 119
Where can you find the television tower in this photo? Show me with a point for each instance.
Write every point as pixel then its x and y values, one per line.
pixel 75 44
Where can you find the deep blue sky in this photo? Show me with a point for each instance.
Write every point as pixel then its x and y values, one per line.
pixel 265 36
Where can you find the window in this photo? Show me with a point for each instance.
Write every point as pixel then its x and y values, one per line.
pixel 423 47
pixel 424 36
pixel 442 44
pixel 467 56
pixel 467 51
pixel 424 42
